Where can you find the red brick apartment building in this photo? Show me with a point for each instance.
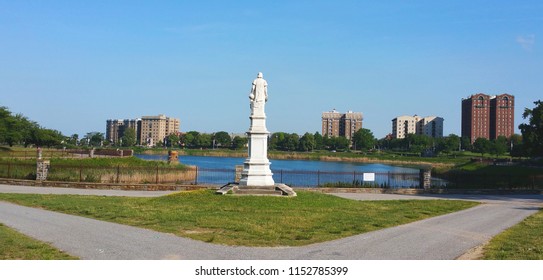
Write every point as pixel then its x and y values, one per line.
pixel 485 116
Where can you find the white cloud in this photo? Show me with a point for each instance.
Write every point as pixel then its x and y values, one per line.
pixel 526 42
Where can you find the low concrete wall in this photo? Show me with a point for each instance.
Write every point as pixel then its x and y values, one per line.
pixel 422 191
pixel 106 186
pixel 173 187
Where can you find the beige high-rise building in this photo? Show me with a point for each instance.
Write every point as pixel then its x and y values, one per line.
pixel 336 124
pixel 330 123
pixel 154 129
pixel 403 125
pixel 352 122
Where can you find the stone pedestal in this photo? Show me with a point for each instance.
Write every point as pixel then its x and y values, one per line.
pixel 256 168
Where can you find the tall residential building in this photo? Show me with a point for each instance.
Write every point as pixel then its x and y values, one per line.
pixel 403 125
pixel 476 117
pixel 330 123
pixel 431 126
pixel 115 129
pixel 155 128
pixel 502 112
pixel 352 122
pixel 336 124
pixel 485 116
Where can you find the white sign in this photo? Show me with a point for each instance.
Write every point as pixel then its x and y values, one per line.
pixel 369 177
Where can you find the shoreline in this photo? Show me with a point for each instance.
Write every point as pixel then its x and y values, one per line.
pixel 301 156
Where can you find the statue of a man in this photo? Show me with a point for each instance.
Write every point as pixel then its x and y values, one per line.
pixel 259 94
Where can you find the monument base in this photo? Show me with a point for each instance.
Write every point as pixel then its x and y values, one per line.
pixel 281 190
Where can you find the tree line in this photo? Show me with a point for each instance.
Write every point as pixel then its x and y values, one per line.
pixel 15 129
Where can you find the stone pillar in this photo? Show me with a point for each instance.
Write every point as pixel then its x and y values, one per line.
pixel 425 178
pixel 42 169
pixel 256 168
pixel 173 157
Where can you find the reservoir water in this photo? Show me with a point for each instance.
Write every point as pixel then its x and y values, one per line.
pixel 219 170
pixel 286 165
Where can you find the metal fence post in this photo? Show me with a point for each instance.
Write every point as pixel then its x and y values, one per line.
pixel 196 176
pixel 388 179
pixel 80 172
pixel 281 176
pixel 318 178
pixel 118 173
pixel 156 179
pixel 9 169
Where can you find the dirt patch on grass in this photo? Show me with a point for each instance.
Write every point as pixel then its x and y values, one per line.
pixel 196 231
pixel 475 253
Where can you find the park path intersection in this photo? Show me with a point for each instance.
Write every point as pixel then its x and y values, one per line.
pixel 443 237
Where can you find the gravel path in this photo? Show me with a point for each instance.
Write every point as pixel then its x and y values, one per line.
pixel 443 237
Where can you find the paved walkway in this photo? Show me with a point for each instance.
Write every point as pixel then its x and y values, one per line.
pixel 443 237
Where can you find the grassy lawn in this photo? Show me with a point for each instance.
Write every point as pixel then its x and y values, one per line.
pixel 523 241
pixel 247 220
pixel 16 246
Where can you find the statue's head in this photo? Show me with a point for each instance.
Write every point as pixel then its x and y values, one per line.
pixel 260 75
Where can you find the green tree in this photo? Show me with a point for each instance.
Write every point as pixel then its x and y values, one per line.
pixel 448 144
pixel 4 115
pixel 189 139
pixel 239 142
pixel 466 143
pixel 203 140
pixel 129 137
pixel 517 148
pixel 11 127
pixel 532 132
pixel 96 139
pixel 17 129
pixel 363 139
pixel 222 139
pixel 277 141
pixel 418 143
pixel 72 140
pixel 291 142
pixel 319 141
pixel 307 142
pixel 499 145
pixel 482 145
pixel 337 143
pixel 172 140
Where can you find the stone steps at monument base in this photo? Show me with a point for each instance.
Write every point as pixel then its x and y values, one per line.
pixel 258 192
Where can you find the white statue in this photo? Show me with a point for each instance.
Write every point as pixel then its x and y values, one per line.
pixel 259 94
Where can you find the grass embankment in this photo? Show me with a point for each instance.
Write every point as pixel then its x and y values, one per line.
pixel 523 241
pixel 247 220
pixel 487 176
pixel 100 170
pixel 101 162
pixel 16 246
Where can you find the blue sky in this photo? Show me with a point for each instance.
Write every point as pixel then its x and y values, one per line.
pixel 70 65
